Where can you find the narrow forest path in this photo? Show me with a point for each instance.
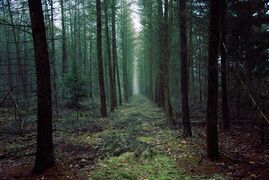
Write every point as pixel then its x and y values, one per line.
pixel 140 144
pixel 135 142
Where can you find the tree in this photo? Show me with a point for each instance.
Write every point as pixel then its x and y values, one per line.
pixel 160 77
pixel 7 46
pixel 124 51
pixel 109 60
pixel 53 59
pixel 19 79
pixel 127 49
pixel 184 70
pixel 150 49
pixel 212 91
pixel 224 106
pixel 100 60
pixel 44 154
pixel 64 54
pixel 114 55
pixel 167 22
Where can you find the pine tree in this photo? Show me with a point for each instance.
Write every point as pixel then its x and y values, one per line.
pixel 44 154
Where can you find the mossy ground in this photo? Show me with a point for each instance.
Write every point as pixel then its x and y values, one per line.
pixel 135 142
pixel 141 145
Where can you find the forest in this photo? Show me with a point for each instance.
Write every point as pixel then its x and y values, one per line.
pixel 134 89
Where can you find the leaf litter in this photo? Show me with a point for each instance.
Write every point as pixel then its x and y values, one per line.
pixel 135 142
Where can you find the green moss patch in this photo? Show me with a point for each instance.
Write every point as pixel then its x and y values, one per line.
pixel 128 166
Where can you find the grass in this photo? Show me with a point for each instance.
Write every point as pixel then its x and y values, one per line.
pixel 128 166
pixel 141 145
pixel 136 142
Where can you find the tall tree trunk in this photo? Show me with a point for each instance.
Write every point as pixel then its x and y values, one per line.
pixel 125 69
pixel 191 61
pixel 100 60
pixel 148 52
pixel 85 40
pixel 124 53
pixel 200 70
pixel 114 49
pixel 7 48
pixel 90 70
pixel 71 38
pixel 109 59
pixel 119 85
pixel 168 20
pixel 64 54
pixel 9 65
pixel 160 77
pixel 212 91
pixel 224 107
pixel 53 59
pixel 25 70
pixel 44 154
pixel 75 59
pixel 19 74
pixel 184 71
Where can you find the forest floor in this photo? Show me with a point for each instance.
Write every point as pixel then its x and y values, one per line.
pixel 135 142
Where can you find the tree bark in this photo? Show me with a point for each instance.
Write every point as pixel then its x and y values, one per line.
pixel 184 71
pixel 109 59
pixel 53 63
pixel 224 107
pixel 7 46
pixel 160 77
pixel 168 20
pixel 90 69
pixel 44 154
pixel 212 91
pixel 114 51
pixel 191 60
pixel 100 61
pixel 124 54
pixel 19 74
pixel 64 54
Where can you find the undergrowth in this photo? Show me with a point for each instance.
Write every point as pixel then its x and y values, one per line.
pixel 128 166
pixel 136 142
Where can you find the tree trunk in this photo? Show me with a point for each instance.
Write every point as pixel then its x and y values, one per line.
pixel 191 62
pixel 200 70
pixel 212 96
pixel 100 61
pixel 44 154
pixel 184 71
pixel 19 74
pixel 53 59
pixel 110 68
pixel 119 86
pixel 114 50
pixel 168 20
pixel 64 54
pixel 85 41
pixel 224 107
pixel 160 78
pixel 124 54
pixel 90 70
pixel 125 69
pixel 9 67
